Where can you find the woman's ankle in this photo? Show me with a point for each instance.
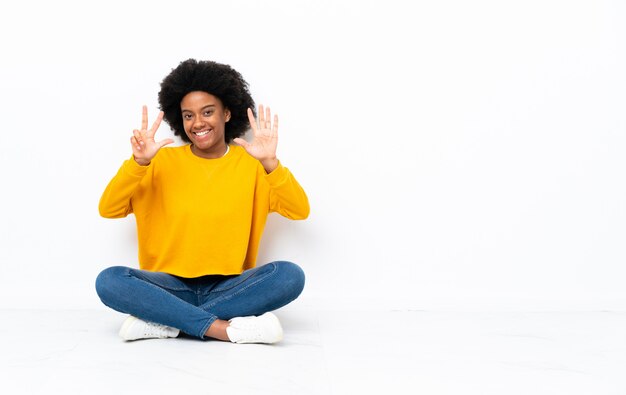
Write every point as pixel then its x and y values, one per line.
pixel 217 330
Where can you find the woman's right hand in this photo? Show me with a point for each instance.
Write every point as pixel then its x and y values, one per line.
pixel 142 142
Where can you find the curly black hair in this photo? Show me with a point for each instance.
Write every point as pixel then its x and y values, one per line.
pixel 217 79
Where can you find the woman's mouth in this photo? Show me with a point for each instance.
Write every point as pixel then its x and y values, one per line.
pixel 202 133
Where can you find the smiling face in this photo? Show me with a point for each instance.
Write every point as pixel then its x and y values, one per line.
pixel 204 120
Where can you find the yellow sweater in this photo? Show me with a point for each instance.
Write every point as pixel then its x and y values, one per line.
pixel 200 216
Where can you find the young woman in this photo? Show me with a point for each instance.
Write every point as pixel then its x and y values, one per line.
pixel 200 210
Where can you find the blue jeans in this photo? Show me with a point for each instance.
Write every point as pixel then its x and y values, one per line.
pixel 193 304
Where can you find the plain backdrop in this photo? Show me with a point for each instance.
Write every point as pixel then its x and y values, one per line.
pixel 457 154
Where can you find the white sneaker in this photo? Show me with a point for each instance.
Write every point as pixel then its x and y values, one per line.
pixel 262 329
pixel 134 328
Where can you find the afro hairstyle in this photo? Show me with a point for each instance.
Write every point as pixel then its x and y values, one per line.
pixel 217 79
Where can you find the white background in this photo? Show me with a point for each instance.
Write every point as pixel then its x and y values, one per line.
pixel 461 155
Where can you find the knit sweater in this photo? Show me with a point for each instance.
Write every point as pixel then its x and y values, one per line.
pixel 199 216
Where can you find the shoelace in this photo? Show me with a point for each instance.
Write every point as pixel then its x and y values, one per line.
pixel 154 329
pixel 246 323
pixel 253 328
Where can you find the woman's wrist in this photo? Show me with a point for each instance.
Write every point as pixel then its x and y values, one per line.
pixel 270 164
pixel 141 162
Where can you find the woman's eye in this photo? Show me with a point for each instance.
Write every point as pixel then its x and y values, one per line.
pixel 208 113
pixel 187 116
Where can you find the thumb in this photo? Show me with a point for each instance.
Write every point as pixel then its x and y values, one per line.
pixel 241 142
pixel 165 142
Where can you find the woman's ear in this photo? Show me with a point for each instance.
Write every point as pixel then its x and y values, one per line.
pixel 227 112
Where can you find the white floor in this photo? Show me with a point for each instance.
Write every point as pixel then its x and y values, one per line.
pixel 325 351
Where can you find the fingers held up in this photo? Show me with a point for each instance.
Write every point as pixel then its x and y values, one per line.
pixel 143 143
pixel 264 123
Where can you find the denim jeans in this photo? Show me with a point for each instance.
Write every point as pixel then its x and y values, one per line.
pixel 193 304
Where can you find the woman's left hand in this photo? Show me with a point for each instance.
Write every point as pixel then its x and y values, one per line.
pixel 263 146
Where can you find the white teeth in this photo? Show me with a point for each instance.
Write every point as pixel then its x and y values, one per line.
pixel 201 133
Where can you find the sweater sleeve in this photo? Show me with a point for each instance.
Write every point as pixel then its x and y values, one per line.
pixel 286 195
pixel 116 198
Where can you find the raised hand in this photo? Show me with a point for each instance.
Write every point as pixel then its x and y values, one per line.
pixel 263 146
pixel 142 142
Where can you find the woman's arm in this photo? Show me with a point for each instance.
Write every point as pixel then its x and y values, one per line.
pixel 116 199
pixel 286 195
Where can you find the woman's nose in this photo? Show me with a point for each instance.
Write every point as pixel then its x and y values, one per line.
pixel 198 123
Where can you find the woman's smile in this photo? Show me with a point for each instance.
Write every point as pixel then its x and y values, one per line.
pixel 204 121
